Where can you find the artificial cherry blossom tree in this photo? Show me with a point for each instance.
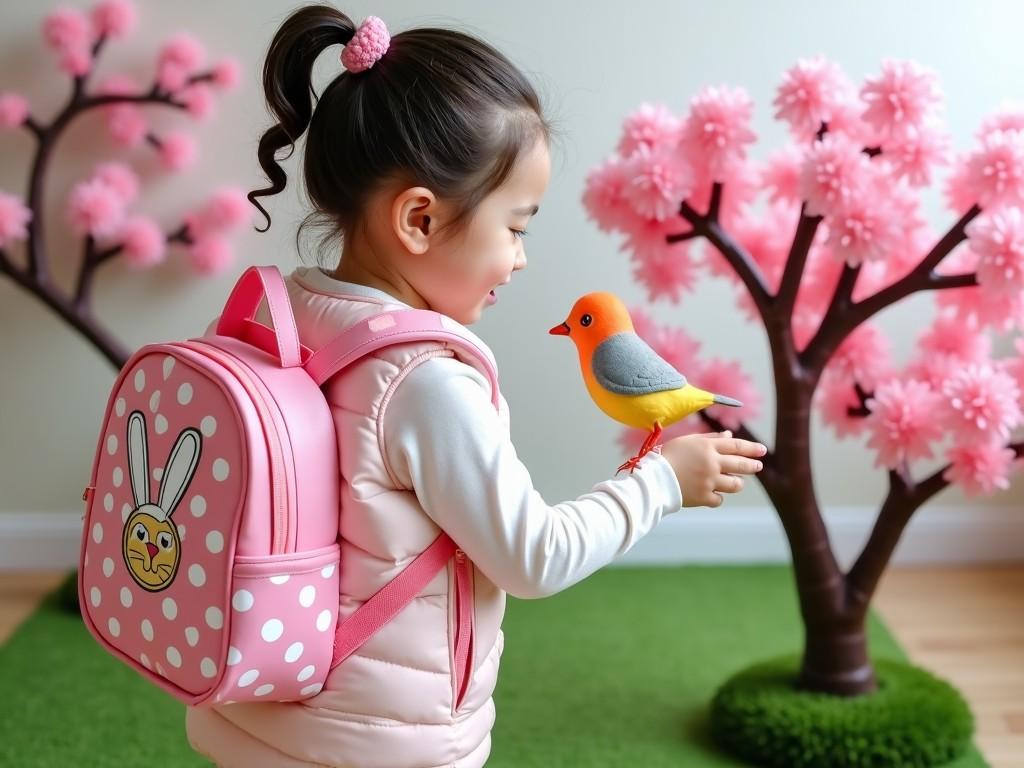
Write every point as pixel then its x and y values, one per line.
pixel 100 207
pixel 821 238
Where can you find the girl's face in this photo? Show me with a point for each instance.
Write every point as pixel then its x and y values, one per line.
pixel 464 272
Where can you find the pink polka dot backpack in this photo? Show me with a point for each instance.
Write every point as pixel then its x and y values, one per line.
pixel 210 555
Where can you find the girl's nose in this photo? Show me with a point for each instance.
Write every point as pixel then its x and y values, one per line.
pixel 520 263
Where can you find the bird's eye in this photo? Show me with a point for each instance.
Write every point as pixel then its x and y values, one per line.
pixel 586 320
pixel 140 532
pixel 165 541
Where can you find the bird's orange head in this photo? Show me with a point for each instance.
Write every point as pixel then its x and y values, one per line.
pixel 594 317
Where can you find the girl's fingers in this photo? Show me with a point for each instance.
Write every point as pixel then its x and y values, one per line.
pixel 728 484
pixel 738 447
pixel 739 465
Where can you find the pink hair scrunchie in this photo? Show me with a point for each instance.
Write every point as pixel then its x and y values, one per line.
pixel 367 46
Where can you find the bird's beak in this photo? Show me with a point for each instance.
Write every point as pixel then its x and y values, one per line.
pixel 560 330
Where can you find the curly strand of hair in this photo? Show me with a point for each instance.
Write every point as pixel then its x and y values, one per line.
pixel 287 75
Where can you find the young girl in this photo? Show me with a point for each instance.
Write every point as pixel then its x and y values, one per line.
pixel 427 155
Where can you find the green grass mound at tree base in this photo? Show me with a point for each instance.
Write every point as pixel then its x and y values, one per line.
pixel 913 720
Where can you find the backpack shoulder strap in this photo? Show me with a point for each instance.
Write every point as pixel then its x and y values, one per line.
pixel 390 599
pixel 350 345
pixel 397 327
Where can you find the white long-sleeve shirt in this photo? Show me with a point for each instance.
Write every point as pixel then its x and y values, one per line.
pixel 444 439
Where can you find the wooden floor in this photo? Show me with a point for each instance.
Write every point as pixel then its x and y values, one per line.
pixel 965 624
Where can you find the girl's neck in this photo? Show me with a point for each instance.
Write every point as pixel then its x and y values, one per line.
pixel 351 270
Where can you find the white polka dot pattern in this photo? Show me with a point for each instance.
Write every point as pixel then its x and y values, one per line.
pixel 281 628
pixel 254 628
pixel 178 626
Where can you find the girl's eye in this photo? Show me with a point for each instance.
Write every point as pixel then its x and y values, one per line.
pixel 519 233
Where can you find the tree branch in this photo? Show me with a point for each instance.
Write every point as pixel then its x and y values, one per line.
pixel 33 126
pixel 735 254
pixel 678 238
pixel 92 259
pixel 838 325
pixel 36 276
pixel 943 282
pixel 75 316
pixel 905 497
pixel 716 201
pixel 789 286
pixel 862 410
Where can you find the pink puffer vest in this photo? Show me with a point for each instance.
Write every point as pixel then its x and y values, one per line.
pixel 400 701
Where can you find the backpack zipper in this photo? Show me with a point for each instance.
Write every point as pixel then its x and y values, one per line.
pixel 278 472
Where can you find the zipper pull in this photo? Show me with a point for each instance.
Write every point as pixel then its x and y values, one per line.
pixel 87 498
pixel 460 556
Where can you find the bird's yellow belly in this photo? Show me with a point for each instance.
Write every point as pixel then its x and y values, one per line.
pixel 644 411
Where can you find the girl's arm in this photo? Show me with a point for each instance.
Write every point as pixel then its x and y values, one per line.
pixel 445 441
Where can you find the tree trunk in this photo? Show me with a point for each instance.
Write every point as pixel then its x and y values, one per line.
pixel 836 659
pixel 835 656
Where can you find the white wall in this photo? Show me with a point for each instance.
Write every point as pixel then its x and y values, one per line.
pixel 592 66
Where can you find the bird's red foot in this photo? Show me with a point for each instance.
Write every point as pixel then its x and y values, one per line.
pixel 632 464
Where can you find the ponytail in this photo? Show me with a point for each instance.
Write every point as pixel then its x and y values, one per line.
pixel 287 75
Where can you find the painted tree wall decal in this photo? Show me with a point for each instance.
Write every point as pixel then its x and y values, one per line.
pixel 100 207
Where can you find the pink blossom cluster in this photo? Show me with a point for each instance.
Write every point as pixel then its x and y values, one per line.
pixel 14 219
pixel 663 160
pixel 982 408
pixel 997 238
pixel 71 33
pixel 952 390
pixel 208 226
pixel 99 207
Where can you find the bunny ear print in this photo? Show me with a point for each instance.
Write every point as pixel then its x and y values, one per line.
pixel 181 466
pixel 138 458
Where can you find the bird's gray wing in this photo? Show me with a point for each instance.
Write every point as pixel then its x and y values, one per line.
pixel 626 365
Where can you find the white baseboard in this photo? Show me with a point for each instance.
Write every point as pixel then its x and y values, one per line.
pixel 936 535
pixel 39 541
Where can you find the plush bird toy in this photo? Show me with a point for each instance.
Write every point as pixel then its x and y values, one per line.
pixel 625 377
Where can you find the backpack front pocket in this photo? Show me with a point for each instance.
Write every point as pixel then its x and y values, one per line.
pixel 283 613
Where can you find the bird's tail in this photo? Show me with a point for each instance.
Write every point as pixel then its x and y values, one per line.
pixel 723 400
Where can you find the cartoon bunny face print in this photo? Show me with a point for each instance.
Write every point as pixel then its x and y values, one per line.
pixel 150 544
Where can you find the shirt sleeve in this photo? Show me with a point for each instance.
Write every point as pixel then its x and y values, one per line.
pixel 444 440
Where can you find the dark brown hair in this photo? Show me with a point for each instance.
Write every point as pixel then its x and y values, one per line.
pixel 441 109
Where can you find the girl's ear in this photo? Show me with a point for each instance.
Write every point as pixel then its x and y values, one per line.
pixel 413 218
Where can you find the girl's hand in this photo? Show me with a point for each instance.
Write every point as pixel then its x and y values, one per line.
pixel 708 465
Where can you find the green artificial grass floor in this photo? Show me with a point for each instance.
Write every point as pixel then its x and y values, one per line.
pixel 617 671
